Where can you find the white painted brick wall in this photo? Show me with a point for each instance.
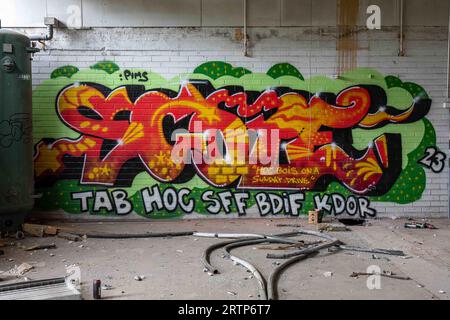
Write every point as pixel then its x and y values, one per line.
pixel 173 51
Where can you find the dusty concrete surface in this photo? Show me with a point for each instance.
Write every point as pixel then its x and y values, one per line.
pixel 173 270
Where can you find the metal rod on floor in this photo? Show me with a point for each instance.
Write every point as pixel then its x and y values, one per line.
pixel 369 250
pixel 332 242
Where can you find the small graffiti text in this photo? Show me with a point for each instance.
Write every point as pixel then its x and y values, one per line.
pixel 130 75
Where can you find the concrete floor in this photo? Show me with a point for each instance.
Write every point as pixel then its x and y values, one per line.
pixel 173 269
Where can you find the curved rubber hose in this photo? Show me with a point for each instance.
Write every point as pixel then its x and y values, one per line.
pixel 227 235
pixel 206 257
pixel 258 276
pixel 244 236
pixel 133 236
pixel 272 291
pixel 272 288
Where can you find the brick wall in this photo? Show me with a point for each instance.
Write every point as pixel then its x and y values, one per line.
pixel 170 52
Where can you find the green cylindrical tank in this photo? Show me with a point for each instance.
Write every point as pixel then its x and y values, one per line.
pixel 16 143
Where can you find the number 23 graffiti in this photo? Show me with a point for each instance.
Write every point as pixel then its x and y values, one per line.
pixel 433 159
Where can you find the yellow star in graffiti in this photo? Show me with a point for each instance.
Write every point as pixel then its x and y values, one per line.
pixel 105 171
pixel 161 157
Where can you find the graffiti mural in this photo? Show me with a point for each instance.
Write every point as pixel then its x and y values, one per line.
pixel 212 142
pixel 16 129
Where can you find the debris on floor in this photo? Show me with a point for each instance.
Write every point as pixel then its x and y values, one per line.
pixel 107 287
pixel 419 225
pixel 300 252
pixel 97 289
pixel 139 278
pixel 20 270
pixel 41 247
pixel 295 249
pixel 328 274
pixel 375 250
pixel 315 217
pixel 69 236
pixel 387 274
pixel 39 231
pixel 300 244
pixel 333 228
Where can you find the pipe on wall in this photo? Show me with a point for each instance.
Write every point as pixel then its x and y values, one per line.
pixel 245 30
pixel 448 58
pixel 448 90
pixel 401 51
pixel 47 37
pixel 50 23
